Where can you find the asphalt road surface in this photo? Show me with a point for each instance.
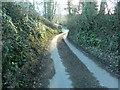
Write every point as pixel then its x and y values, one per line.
pixel 75 70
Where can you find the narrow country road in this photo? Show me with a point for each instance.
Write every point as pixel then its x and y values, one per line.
pixel 75 70
pixel 60 80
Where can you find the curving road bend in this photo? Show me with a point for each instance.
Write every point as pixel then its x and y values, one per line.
pixel 61 78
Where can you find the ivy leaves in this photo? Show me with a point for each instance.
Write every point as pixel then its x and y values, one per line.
pixel 88 38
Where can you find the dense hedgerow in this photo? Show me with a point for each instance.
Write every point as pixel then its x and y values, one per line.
pixel 99 34
pixel 24 38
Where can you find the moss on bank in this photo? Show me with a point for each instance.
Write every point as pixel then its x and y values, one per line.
pixel 25 39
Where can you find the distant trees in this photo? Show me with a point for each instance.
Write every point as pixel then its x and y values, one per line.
pixel 89 9
pixel 49 9
pixel 82 14
pixel 85 15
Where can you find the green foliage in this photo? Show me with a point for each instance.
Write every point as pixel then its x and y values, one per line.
pixel 97 33
pixel 24 39
pixel 88 38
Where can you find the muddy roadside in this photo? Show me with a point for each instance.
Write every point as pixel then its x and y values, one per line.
pixel 79 74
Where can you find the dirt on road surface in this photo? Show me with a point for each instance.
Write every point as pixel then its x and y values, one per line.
pixel 80 76
pixel 64 69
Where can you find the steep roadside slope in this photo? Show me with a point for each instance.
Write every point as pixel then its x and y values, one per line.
pixel 25 46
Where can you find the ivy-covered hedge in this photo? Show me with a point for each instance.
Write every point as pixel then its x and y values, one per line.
pixel 99 36
pixel 24 39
